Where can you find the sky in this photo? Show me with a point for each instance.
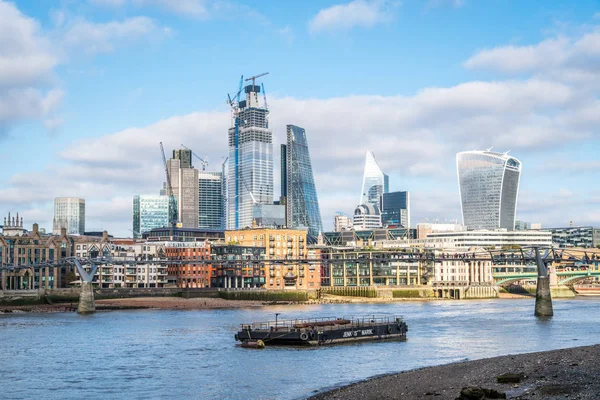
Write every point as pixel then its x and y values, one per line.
pixel 88 89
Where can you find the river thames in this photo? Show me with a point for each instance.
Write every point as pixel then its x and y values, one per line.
pixel 192 354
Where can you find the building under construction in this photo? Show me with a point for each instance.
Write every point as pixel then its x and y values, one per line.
pixel 250 174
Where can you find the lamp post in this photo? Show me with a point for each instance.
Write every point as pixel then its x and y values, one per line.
pixel 276 315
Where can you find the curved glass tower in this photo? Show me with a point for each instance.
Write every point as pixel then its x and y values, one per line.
pixel 488 184
pixel 302 205
pixel 375 182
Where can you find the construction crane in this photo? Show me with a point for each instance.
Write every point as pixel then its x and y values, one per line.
pixel 172 205
pixel 253 78
pixel 202 160
pixel 236 98
pixel 262 85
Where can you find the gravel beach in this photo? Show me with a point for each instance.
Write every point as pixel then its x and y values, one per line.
pixel 559 374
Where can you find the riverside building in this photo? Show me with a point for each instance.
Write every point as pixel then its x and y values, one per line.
pixel 69 213
pixel 298 186
pixel 493 239
pixel 149 212
pixel 250 173
pixel 488 185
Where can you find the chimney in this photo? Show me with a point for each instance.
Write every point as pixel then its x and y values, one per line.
pixel 35 228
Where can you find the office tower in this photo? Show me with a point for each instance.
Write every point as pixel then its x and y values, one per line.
pixel 149 212
pixel 69 213
pixel 395 209
pixel 301 202
pixel 283 177
pixel 375 182
pixel 366 216
pixel 184 156
pixel 210 200
pixel 488 184
pixel 184 182
pixel 250 176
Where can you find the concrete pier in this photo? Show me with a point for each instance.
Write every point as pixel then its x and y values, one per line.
pixel 543 296
pixel 86 299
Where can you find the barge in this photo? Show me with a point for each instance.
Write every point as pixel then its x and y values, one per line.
pixel 321 331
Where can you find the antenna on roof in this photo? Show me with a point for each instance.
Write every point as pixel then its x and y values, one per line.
pixel 490 149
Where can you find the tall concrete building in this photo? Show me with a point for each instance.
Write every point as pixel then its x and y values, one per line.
pixel 184 156
pixel 210 200
pixel 489 185
pixel 184 182
pixel 301 202
pixel 375 182
pixel 342 222
pixel 69 213
pixel 149 212
pixel 250 172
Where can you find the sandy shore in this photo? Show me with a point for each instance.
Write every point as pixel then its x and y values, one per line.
pixel 559 374
pixel 177 303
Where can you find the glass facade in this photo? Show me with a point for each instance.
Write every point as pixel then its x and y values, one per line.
pixel 395 209
pixel 375 182
pixel 250 176
pixel 149 212
pixel 210 200
pixel 69 213
pixel 488 184
pixel 302 204
pixel 269 215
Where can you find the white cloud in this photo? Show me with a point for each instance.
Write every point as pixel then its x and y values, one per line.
pixel 27 63
pixel 195 8
pixel 357 13
pixel 93 38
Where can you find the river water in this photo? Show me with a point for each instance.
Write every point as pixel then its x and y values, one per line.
pixel 191 354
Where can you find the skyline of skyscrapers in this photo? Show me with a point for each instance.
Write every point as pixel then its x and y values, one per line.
pixel 250 175
pixel 488 187
pixel 69 213
pixel 395 209
pixel 300 196
pixel 375 182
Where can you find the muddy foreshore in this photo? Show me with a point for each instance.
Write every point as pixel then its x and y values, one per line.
pixel 558 374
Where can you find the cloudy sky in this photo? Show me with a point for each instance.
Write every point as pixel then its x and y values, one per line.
pixel 88 88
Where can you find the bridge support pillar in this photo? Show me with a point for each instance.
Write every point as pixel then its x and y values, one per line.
pixel 543 297
pixel 86 299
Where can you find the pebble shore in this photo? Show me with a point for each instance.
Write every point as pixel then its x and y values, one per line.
pixel 551 375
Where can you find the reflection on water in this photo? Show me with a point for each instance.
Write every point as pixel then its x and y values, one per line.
pixel 192 354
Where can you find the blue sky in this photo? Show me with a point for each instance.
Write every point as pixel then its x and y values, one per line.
pixel 89 87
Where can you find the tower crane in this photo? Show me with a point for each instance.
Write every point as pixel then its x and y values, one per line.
pixel 202 160
pixel 236 97
pixel 262 85
pixel 253 78
pixel 172 206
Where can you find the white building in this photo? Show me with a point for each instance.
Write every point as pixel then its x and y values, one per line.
pixel 367 216
pixel 375 182
pixel 424 229
pixel 69 213
pixel 342 222
pixel 495 239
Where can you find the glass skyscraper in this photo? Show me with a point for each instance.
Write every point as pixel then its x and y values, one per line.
pixel 301 202
pixel 250 173
pixel 375 182
pixel 69 213
pixel 149 212
pixel 210 200
pixel 395 209
pixel 489 184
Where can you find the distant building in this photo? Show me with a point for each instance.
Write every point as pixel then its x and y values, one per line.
pixel 237 266
pixel 494 239
pixel 250 173
pixel 525 226
pixel 149 212
pixel 576 236
pixel 184 156
pixel 13 226
pixel 183 235
pixel 184 182
pixel 342 222
pixel 489 185
pixel 395 209
pixel 366 216
pixel 69 213
pixel 375 182
pixel 301 202
pixel 424 229
pixel 211 207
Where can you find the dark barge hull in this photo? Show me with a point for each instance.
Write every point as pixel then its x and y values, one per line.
pixel 323 335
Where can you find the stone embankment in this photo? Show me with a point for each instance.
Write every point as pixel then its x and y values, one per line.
pixel 551 375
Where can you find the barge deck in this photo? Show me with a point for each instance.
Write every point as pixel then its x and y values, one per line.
pixel 322 331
